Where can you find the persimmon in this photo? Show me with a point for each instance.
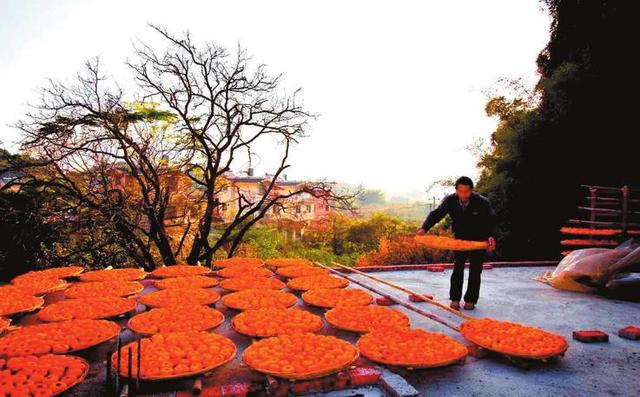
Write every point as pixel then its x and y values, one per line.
pixel 333 297
pixel 242 283
pixel 179 271
pixel 87 308
pixel 513 338
pixel 240 271
pixel 288 262
pixel 176 354
pixel 196 318
pixel 588 242
pixel 186 282
pixel 258 298
pixel 124 274
pixel 239 261
pixel 590 232
pixel 43 376
pixel 58 338
pixel 108 288
pixel 180 297
pixel 301 271
pixel 448 243
pixel 366 318
pixel 300 355
pixel 411 347
pixel 14 300
pixel 271 321
pixel 314 282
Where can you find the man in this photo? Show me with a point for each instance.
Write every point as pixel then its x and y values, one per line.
pixel 473 219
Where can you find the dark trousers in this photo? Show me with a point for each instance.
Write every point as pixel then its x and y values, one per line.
pixel 476 259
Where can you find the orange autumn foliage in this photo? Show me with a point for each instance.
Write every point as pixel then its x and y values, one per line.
pixel 300 355
pixel 87 308
pixel 109 288
pixel 314 282
pixel 411 347
pixel 300 271
pixel 334 297
pixel 242 283
pixel 186 282
pixel 272 321
pixel 513 338
pixel 58 338
pixel 239 271
pixel 42 376
pixel 126 274
pixel 179 271
pixel 258 298
pixel 180 297
pixel 366 318
pixel 176 354
pixel 196 318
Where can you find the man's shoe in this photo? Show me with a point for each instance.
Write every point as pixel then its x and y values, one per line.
pixel 455 305
pixel 469 306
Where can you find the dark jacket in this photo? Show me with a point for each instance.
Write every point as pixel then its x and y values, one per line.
pixel 475 222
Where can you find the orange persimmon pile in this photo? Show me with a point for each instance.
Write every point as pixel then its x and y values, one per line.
pixel 87 308
pixel 288 262
pixel 588 242
pixel 179 271
pixel 301 355
pixel 271 321
pixel 180 297
pixel 334 297
pixel 448 243
pixel 300 271
pixel 258 298
pixel 513 338
pixel 590 232
pixel 239 261
pixel 126 274
pixel 58 338
pixel 242 283
pixel 15 300
pixel 197 318
pixel 239 271
pixel 186 282
pixel 43 376
pixel 366 318
pixel 410 347
pixel 38 283
pixel 314 282
pixel 176 354
pixel 108 288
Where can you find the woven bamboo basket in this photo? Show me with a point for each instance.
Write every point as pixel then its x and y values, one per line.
pixel 308 375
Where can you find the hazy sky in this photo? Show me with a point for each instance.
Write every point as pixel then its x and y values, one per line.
pixel 399 85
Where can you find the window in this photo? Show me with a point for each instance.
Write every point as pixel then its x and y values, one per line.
pixel 298 210
pixel 308 208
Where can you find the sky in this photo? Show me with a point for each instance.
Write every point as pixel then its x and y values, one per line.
pixel 399 86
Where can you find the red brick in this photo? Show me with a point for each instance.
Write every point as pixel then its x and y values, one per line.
pixel 213 391
pixel 589 336
pixel 384 301
pixel 363 376
pixel 417 298
pixel 631 332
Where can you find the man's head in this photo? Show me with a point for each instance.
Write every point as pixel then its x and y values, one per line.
pixel 464 187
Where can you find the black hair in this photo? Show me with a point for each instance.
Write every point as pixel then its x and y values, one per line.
pixel 464 180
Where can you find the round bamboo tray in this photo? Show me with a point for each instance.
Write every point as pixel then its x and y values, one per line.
pixel 225 300
pixel 180 271
pixel 68 293
pixel 142 333
pixel 292 284
pixel 413 365
pixel 125 311
pixel 145 299
pixel 306 300
pixel 308 375
pixel 511 354
pixel 80 379
pixel 124 372
pixel 25 310
pixel 95 276
pixel 327 316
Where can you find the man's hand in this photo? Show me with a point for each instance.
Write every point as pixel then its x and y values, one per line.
pixel 492 244
pixel 420 232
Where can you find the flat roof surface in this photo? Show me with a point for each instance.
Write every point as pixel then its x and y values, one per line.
pixel 587 369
